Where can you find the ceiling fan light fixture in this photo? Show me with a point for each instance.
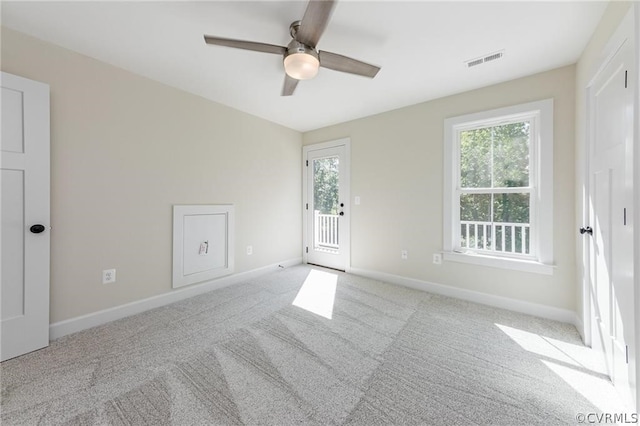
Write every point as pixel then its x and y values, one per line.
pixel 301 61
pixel 301 66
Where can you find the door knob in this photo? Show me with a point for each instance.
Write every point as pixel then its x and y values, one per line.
pixel 36 229
pixel 341 213
pixel 587 230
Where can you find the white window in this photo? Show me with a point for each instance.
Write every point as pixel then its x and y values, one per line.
pixel 498 206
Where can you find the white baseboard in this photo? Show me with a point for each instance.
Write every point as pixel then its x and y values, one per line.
pixel 543 311
pixel 73 325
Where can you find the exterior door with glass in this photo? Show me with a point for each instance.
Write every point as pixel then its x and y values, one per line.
pixel 326 204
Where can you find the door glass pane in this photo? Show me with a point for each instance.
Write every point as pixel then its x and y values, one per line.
pixel 326 203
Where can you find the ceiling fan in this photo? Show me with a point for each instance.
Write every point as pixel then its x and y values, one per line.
pixel 301 59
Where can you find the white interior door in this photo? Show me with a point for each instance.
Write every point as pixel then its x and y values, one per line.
pixel 24 211
pixel 326 206
pixel 611 201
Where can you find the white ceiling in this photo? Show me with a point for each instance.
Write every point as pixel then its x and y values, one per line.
pixel 421 47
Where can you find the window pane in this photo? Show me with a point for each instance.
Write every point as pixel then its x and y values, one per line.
pixel 512 208
pixel 475 207
pixel 475 235
pixel 325 185
pixel 513 238
pixel 511 155
pixel 475 158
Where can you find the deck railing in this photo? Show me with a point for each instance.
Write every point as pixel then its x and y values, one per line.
pixel 326 230
pixel 504 237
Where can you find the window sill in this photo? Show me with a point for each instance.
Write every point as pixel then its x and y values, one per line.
pixel 500 262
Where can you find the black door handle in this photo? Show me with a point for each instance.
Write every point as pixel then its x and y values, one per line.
pixel 36 229
pixel 587 230
pixel 341 213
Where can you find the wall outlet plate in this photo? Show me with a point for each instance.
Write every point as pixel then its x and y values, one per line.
pixel 404 254
pixel 249 250
pixel 108 276
pixel 437 258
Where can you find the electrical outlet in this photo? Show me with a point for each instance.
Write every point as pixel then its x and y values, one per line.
pixel 108 276
pixel 437 258
pixel 404 254
pixel 249 250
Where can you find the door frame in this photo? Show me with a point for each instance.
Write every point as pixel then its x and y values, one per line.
pixel 623 34
pixel 635 10
pixel 344 180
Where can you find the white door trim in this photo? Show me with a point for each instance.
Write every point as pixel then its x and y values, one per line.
pixel 346 180
pixel 636 198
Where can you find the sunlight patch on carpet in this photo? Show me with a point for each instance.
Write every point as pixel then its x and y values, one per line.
pixel 576 365
pixel 318 293
pixel 545 346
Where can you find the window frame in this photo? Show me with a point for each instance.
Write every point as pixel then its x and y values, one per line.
pixel 534 123
pixel 540 259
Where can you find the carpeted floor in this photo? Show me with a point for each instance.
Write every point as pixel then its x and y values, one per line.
pixel 256 353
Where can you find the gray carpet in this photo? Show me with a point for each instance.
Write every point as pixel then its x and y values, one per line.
pixel 247 355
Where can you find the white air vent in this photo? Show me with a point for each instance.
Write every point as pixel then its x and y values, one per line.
pixel 475 62
pixel 488 58
pixel 493 57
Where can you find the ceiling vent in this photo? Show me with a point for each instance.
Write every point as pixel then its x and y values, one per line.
pixel 489 58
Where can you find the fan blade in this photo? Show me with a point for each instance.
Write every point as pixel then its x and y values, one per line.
pixel 247 45
pixel 337 62
pixel 289 86
pixel 314 21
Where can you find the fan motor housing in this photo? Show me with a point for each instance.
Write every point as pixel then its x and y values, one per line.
pixel 297 47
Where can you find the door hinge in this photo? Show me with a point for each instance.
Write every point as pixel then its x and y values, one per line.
pixel 625 216
pixel 307 249
pixel 625 79
pixel 308 160
pixel 626 350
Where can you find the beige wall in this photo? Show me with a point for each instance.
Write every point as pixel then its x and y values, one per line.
pixel 397 170
pixel 124 149
pixel 143 146
pixel 585 69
